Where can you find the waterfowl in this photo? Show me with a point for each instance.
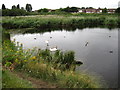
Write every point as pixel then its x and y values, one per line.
pixel 110 51
pixel 86 44
pixel 35 38
pixel 47 42
pixel 50 37
pixel 53 49
pixel 109 36
pixel 78 63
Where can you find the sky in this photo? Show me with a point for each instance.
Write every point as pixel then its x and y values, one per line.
pixel 55 4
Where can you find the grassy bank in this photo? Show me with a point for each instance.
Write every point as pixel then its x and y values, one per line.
pixel 55 67
pixel 10 80
pixel 63 22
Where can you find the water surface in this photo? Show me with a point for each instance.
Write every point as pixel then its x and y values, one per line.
pixel 96 55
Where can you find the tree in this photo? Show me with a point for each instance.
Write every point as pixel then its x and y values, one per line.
pixel 67 9
pixel 44 10
pixel 18 6
pixel 3 6
pixel 99 8
pixel 29 7
pixel 13 12
pixel 83 8
pixel 74 9
pixel 89 8
pixel 22 8
pixel 14 7
pixel 117 10
pixel 104 10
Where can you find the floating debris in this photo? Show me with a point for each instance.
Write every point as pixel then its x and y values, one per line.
pixel 50 37
pixel 35 38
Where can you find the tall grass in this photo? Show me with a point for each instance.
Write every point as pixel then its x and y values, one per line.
pixel 63 79
pixel 55 67
pixel 52 21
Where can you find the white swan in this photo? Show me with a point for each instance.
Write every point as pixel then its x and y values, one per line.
pixel 46 41
pixel 53 49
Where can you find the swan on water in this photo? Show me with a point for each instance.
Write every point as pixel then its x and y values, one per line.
pixel 53 49
pixel 46 41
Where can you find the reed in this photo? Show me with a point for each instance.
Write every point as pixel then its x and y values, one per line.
pixel 54 21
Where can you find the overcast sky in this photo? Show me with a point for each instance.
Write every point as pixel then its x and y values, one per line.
pixel 55 4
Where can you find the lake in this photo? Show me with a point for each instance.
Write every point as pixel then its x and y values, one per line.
pixel 99 57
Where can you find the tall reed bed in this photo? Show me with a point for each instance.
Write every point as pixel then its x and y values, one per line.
pixel 52 21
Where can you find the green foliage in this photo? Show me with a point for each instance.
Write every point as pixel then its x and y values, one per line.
pixel 29 7
pixel 63 79
pixel 14 12
pixel 69 9
pixel 44 10
pixel 10 80
pixel 104 10
pixel 3 7
pixel 118 10
pixel 55 21
pixel 14 7
pixel 18 6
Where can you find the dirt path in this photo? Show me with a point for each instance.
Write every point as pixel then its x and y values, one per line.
pixel 37 83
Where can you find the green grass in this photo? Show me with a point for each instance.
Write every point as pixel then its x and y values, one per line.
pixel 55 21
pixel 10 80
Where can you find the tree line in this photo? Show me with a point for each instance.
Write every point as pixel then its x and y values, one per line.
pixel 16 10
pixel 19 11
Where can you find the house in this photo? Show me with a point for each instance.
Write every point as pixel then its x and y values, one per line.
pixel 90 11
pixel 95 10
pixel 111 10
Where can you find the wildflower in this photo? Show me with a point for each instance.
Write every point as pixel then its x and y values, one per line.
pixel 25 60
pixel 16 60
pixel 33 58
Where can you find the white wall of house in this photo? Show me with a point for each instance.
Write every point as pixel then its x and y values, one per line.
pixel 80 11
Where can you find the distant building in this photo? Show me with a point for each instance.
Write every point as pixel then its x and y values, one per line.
pixel 95 10
pixel 90 10
pixel 111 10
